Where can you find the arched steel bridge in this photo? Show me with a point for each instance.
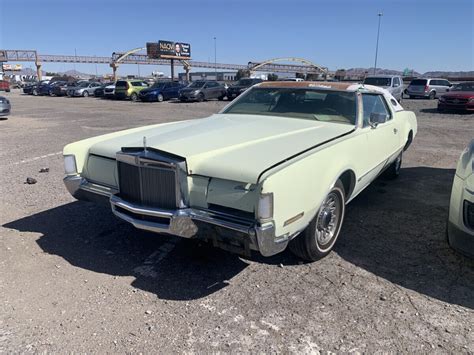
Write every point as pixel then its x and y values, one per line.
pixel 133 57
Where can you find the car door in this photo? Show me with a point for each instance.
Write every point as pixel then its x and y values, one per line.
pixel 383 139
pixel 397 88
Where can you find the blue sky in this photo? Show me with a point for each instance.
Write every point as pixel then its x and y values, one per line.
pixel 418 34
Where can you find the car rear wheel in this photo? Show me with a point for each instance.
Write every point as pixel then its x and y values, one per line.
pixel 50 92
pixel 319 237
pixel 159 98
pixel 134 97
pixel 35 92
pixel 85 93
pixel 432 95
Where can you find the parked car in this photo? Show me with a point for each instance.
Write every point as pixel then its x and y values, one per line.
pixel 83 89
pixel 33 88
pixel 61 89
pixel 203 90
pixel 5 106
pixel 48 88
pixel 99 92
pixel 460 228
pixel 459 97
pixel 239 87
pixel 392 83
pixel 428 88
pixel 4 86
pixel 129 89
pixel 275 167
pixel 28 89
pixel 109 91
pixel 161 91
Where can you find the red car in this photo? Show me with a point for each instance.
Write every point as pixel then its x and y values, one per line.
pixel 459 97
pixel 4 85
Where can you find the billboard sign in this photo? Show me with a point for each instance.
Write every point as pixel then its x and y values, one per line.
pixel 168 50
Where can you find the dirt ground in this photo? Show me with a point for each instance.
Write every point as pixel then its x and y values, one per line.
pixel 74 278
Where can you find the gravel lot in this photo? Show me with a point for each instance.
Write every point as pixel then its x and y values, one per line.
pixel 74 278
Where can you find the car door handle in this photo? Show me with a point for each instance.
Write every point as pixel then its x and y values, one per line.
pixel 395 131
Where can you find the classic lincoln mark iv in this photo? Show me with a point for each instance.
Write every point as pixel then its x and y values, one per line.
pixel 276 167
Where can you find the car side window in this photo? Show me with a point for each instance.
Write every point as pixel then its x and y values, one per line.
pixel 374 103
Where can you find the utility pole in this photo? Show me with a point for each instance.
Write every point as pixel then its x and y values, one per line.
pixel 380 14
pixel 215 57
pixel 75 59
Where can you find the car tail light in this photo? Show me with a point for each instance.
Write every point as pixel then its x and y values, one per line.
pixel 426 87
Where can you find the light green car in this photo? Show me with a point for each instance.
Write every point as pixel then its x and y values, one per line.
pixel 129 89
pixel 276 167
pixel 460 228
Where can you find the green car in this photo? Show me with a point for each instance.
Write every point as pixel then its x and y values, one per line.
pixel 129 89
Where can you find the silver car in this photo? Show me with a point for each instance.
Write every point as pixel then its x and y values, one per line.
pixel 5 106
pixel 83 89
pixel 430 88
pixel 392 83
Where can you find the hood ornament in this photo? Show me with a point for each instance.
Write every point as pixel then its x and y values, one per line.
pixel 144 143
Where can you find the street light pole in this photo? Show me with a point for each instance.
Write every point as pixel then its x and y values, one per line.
pixel 380 14
pixel 215 57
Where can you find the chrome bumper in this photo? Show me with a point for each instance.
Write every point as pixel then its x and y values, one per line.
pixel 183 222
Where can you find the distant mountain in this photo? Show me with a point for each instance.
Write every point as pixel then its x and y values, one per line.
pixel 76 73
pixel 451 74
pixel 380 71
pixel 356 72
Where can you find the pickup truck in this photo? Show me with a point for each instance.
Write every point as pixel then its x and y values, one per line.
pixel 4 85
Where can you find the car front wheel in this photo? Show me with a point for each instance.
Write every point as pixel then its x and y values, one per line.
pixel 85 94
pixel 159 98
pixel 319 237
pixel 393 171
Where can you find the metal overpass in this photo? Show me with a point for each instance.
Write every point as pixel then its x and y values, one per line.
pixel 15 55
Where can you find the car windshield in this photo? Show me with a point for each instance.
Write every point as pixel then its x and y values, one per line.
pixel 378 81
pixel 418 82
pixel 305 103
pixel 197 85
pixel 158 85
pixel 83 85
pixel 463 87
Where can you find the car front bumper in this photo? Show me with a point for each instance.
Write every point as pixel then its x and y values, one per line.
pixel 188 97
pixel 458 107
pixel 460 234
pixel 5 109
pixel 182 222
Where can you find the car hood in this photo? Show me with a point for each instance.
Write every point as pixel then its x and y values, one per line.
pixel 190 89
pixel 232 147
pixel 460 94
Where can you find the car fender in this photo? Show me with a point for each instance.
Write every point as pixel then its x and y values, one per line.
pixel 299 186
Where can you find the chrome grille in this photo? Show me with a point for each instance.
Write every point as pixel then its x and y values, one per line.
pixel 149 186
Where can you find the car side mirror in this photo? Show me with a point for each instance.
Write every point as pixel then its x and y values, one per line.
pixel 377 118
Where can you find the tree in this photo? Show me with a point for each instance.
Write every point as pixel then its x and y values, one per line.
pixel 242 73
pixel 272 77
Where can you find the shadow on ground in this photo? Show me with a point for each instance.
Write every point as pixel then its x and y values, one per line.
pixel 454 112
pixel 394 229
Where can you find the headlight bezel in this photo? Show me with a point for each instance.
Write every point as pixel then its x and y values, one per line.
pixel 70 165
